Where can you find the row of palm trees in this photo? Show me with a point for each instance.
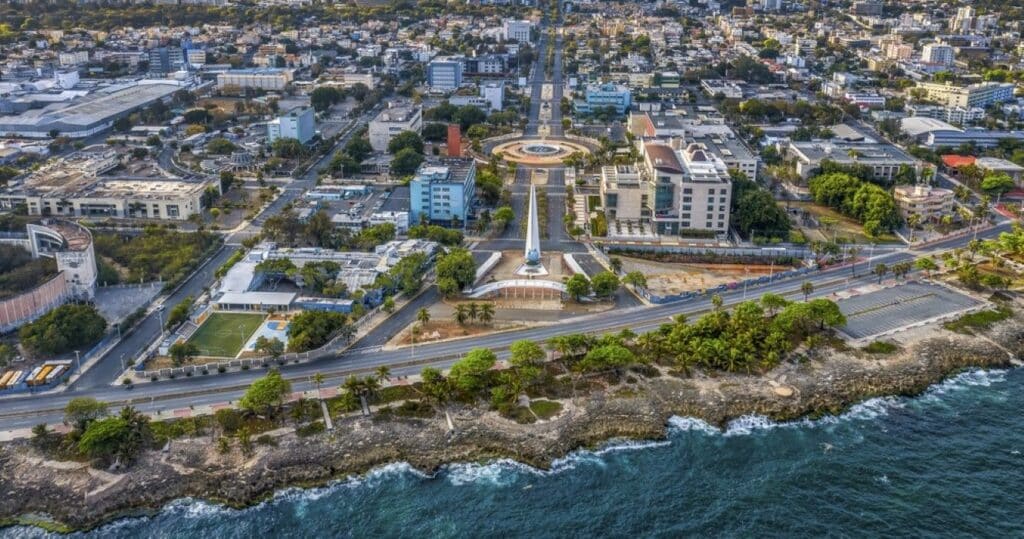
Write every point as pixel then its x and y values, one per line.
pixel 466 312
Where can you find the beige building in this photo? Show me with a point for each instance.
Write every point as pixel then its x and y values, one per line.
pixel 263 78
pixel 976 95
pixel 931 203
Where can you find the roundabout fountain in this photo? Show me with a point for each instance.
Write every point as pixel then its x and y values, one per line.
pixel 538 151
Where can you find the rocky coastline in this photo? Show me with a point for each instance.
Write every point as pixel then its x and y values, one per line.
pixel 67 496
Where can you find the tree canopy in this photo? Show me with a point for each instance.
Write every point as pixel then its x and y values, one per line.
pixel 64 329
pixel 266 394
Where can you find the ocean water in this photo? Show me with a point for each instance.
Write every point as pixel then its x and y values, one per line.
pixel 947 463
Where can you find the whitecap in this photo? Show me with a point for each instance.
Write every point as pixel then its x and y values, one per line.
pixel 968 379
pixel 688 424
pixel 498 473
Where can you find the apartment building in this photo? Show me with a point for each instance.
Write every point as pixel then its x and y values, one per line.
pixel 981 95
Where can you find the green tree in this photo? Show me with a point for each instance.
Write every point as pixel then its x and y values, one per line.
pixel 405 162
pixel 577 286
pixel 635 278
pixel 526 353
pixel 423 315
pixel 312 329
pixel 606 357
pixel 468 374
pixel 458 265
pixel 66 328
pixel 181 352
pixel 266 395
pixel 271 347
pixel 80 411
pixel 604 283
pixel 406 139
pixel 220 146
pixel 997 184
pixel 927 265
pixel 358 148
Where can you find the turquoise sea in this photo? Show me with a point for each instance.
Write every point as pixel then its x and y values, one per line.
pixel 947 463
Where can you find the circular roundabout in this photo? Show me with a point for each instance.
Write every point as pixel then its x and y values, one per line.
pixel 538 152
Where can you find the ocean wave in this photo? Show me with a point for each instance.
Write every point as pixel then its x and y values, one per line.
pixel 688 424
pixel 504 472
pixel 969 379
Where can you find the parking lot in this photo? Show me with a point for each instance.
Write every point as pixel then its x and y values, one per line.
pixel 877 312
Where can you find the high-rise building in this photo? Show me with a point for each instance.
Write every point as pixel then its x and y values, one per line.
pixel 771 5
pixel 163 60
pixel 445 73
pixel 297 123
pixel 443 192
pixel 937 54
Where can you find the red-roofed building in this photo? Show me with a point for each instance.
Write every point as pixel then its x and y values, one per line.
pixel 957 161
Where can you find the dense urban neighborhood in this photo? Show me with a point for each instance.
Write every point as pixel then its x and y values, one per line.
pixel 232 229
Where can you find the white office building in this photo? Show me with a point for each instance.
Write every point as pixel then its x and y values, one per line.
pixel 298 123
pixel 493 93
pixel 392 121
pixel 445 73
pixel 517 30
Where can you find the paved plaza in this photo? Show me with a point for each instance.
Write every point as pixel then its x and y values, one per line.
pixel 877 312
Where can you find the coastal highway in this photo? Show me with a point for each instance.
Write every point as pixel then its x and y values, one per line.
pixel 364 358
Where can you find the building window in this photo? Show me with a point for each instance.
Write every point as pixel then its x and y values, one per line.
pixel 687 191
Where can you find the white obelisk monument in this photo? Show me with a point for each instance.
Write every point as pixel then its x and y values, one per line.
pixel 531 253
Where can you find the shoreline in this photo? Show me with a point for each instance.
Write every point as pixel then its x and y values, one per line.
pixel 84 499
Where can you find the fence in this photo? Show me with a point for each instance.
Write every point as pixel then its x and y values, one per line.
pixel 342 338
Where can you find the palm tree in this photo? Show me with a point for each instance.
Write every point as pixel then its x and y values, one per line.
pixel 926 264
pixel 423 315
pixel 460 315
pixel 383 374
pixel 880 270
pixel 318 380
pixel 854 251
pixel 473 310
pixel 807 288
pixel 486 313
pixel 962 193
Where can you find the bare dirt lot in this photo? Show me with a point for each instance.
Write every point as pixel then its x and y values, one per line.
pixel 665 278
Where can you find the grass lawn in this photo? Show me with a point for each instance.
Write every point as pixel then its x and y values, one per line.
pixel 846 227
pixel 223 334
